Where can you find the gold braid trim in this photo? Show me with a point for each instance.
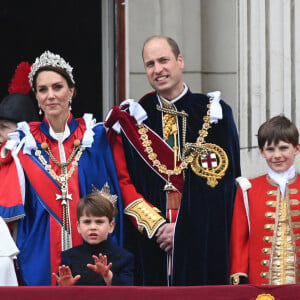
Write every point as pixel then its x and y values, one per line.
pixel 147 217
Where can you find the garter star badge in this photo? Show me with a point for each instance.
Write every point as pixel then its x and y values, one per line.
pixel 209 161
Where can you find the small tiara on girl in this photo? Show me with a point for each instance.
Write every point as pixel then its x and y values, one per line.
pixel 50 59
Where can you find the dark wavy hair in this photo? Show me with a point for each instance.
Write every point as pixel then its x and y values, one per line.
pixel 58 70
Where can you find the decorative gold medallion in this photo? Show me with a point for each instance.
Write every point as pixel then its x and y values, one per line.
pixel 210 162
pixel 265 297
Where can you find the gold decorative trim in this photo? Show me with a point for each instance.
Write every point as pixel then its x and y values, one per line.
pixel 293 191
pixel 295 213
pixel 153 157
pixel 294 202
pixel 265 297
pixel 147 217
pixel 197 152
pixel 296 224
pixel 212 174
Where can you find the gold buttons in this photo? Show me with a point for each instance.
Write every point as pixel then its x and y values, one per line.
pixel 264 262
pixel 268 226
pixel 264 274
pixel 269 215
pixel 265 250
pixel 270 203
pixel 267 239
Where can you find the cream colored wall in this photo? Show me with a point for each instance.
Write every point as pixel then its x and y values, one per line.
pixel 206 36
pixel 247 49
pixel 176 18
pixel 268 71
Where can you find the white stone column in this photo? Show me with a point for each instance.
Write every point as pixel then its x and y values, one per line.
pixel 267 71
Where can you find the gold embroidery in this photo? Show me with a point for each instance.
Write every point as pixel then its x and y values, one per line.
pixel 146 216
pixel 293 191
pixel 295 213
pixel 282 259
pixel 294 202
pixel 265 297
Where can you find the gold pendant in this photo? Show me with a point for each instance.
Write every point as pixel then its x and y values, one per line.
pixel 169 187
pixel 212 165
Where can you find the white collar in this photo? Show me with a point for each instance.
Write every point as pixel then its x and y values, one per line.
pixel 282 178
pixel 61 136
pixel 177 98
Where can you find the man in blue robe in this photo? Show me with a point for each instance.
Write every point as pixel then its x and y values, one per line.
pixel 177 157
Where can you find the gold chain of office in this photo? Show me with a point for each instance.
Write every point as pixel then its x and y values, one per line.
pixel 192 153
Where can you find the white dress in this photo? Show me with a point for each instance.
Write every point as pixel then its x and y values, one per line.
pixel 8 250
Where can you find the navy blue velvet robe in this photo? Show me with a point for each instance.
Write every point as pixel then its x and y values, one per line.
pixel 200 254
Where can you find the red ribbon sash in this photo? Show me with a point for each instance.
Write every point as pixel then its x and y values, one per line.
pixel 164 153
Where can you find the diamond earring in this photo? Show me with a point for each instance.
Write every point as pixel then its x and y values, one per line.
pixel 40 110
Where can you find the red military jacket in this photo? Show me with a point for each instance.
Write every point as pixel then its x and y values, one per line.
pixel 252 251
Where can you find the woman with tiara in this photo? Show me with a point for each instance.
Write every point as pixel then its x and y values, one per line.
pixel 50 165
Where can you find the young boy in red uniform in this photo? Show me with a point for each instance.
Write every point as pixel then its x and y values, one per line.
pixel 265 234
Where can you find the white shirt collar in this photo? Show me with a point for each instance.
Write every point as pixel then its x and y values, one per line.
pixel 177 98
pixel 282 178
pixel 62 136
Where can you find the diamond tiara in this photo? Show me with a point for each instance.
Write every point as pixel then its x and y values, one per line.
pixel 105 193
pixel 50 59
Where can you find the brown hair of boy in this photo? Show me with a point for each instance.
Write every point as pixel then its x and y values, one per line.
pixel 96 205
pixel 278 128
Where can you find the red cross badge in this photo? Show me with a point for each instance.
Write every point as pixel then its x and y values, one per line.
pixel 209 161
